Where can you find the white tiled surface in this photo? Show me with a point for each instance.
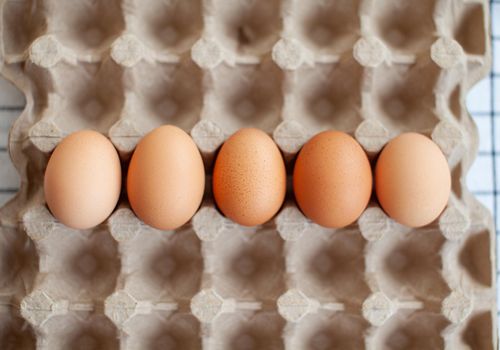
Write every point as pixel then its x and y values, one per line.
pixel 496 94
pixel 10 98
pixel 485 141
pixel 495 14
pixel 479 98
pixel 7 173
pixel 480 176
pixel 484 176
pixel 6 120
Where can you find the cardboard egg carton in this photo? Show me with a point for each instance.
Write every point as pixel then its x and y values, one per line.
pixel 371 68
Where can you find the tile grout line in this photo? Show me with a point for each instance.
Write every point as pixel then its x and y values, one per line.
pixel 494 40
pixel 493 118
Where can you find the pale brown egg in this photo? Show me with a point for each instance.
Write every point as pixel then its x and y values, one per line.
pixel 332 179
pixel 412 180
pixel 166 178
pixel 83 180
pixel 249 180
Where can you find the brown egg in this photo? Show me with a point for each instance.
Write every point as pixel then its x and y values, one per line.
pixel 166 178
pixel 332 179
pixel 83 180
pixel 412 180
pixel 249 181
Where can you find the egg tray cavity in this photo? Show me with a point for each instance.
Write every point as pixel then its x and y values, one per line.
pixel 371 68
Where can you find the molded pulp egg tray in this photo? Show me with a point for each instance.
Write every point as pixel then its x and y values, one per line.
pixel 371 68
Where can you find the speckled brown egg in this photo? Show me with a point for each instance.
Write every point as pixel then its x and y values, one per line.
pixel 83 180
pixel 332 179
pixel 412 180
pixel 249 179
pixel 166 178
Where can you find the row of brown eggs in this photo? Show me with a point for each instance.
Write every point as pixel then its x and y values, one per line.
pixel 332 179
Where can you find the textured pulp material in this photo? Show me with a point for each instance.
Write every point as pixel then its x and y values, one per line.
pixel 372 68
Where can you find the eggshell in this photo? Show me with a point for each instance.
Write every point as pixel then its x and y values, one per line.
pixel 412 180
pixel 166 178
pixel 332 179
pixel 83 180
pixel 249 180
